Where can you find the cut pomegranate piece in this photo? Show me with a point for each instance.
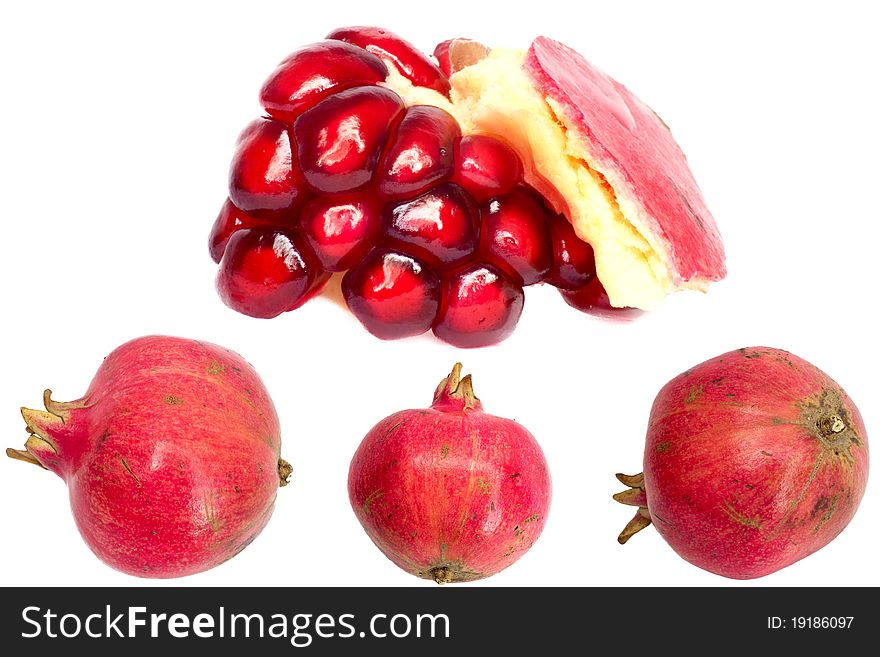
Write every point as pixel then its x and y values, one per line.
pixel 340 139
pixel 228 221
pixel 407 59
pixel 392 294
pixel 486 166
pixel 480 306
pixel 593 299
pixel 265 272
pixel 514 235
pixel 573 263
pixel 455 54
pixel 264 178
pixel 421 153
pixel 440 226
pixel 340 229
pixel 314 71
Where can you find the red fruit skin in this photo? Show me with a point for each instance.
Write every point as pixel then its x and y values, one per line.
pixel 229 220
pixel 265 272
pixel 421 153
pixel 636 152
pixel 392 294
pixel 515 236
pixel 171 457
pixel 485 166
pixel 387 46
pixel 742 473
pixel 593 300
pixel 480 306
pixel 315 71
pixel 264 177
pixel 340 229
pixel 340 139
pixel 450 493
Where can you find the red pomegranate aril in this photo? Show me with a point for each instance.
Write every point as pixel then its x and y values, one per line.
pixel 593 299
pixel 480 306
pixel 455 54
pixel 393 294
pixel 340 139
pixel 229 220
pixel 314 71
pixel 265 272
pixel 486 166
pixel 514 235
pixel 441 226
pixel 421 153
pixel 573 262
pixel 340 229
pixel 387 46
pixel 264 177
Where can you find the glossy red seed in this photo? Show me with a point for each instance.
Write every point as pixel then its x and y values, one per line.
pixel 229 220
pixel 340 139
pixel 392 294
pixel 515 236
pixel 265 272
pixel 387 46
pixel 441 226
pixel 480 306
pixel 420 154
pixel 314 71
pixel 340 229
pixel 486 166
pixel 573 262
pixel 593 299
pixel 264 177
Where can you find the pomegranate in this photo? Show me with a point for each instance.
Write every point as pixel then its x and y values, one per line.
pixel 754 459
pixel 450 493
pixel 171 457
pixel 534 164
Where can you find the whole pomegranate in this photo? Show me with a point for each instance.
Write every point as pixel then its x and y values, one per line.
pixel 171 457
pixel 753 460
pixel 450 493
pixel 444 186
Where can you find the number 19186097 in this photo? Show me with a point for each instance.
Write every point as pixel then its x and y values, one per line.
pixel 810 622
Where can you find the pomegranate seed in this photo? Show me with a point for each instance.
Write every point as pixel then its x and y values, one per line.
pixel 265 272
pixel 573 263
pixel 593 299
pixel 228 221
pixel 421 153
pixel 392 294
pixel 480 306
pixel 514 235
pixel 340 229
pixel 312 72
pixel 441 226
pixel 340 139
pixel 455 54
pixel 486 166
pixel 264 178
pixel 386 45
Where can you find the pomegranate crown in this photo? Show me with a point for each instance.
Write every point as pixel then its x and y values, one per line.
pixel 457 391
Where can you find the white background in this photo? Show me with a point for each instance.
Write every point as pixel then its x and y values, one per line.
pixel 117 123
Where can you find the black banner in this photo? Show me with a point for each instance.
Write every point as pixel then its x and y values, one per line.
pixel 433 621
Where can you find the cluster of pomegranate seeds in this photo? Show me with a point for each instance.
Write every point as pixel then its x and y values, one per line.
pixel 435 230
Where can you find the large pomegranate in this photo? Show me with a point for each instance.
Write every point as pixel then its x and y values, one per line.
pixel 753 460
pixel 481 173
pixel 171 457
pixel 450 493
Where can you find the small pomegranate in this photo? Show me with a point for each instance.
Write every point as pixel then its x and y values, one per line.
pixel 480 306
pixel 171 457
pixel 450 493
pixel 754 460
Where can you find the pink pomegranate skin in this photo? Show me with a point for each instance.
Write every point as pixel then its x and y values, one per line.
pixel 450 493
pixel 754 460
pixel 171 457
